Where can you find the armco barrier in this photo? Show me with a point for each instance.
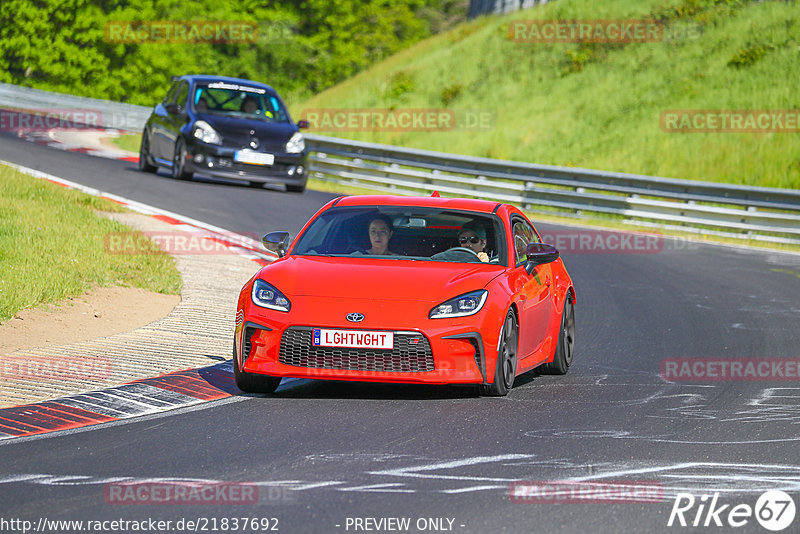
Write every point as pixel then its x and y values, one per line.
pixel 758 213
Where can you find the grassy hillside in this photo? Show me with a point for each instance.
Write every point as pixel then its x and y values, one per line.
pixel 599 105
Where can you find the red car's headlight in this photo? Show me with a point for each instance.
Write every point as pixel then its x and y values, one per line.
pixel 461 306
pixel 266 296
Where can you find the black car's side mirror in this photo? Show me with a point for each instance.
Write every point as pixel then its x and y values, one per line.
pixel 172 109
pixel 276 242
pixel 539 254
pixel 302 123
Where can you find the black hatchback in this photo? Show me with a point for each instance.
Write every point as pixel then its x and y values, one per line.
pixel 226 128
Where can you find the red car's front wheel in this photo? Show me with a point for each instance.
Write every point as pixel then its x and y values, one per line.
pixel 506 367
pixel 253 383
pixel 566 344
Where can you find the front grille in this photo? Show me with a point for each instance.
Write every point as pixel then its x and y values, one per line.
pixel 227 164
pixel 407 356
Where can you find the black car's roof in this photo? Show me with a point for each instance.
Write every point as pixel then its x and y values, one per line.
pixel 191 78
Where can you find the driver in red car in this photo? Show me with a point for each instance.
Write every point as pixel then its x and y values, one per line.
pixel 473 237
pixel 380 231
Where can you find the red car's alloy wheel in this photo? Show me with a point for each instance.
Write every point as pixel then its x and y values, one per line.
pixel 506 368
pixel 566 344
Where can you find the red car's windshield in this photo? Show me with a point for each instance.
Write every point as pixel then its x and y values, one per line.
pixel 416 233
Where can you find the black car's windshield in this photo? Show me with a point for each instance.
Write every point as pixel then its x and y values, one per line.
pixel 405 233
pixel 222 98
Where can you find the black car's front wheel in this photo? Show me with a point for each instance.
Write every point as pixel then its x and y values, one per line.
pixel 253 383
pixel 179 171
pixel 506 368
pixel 145 164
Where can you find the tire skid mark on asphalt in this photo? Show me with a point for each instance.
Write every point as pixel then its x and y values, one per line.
pixel 141 397
pixel 670 478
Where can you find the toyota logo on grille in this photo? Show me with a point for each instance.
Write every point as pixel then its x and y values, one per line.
pixel 355 317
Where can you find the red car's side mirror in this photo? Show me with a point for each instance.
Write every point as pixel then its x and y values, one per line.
pixel 539 254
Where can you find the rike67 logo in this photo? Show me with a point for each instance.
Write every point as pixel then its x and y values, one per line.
pixel 774 510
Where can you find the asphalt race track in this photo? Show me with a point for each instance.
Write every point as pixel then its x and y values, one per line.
pixel 332 457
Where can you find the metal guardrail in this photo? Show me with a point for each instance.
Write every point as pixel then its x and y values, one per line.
pixel 758 213
pixel 109 114
pixel 497 7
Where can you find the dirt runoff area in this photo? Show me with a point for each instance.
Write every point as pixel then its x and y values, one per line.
pixel 99 313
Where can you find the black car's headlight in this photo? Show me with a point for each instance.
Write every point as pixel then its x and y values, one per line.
pixel 205 133
pixel 461 306
pixel 266 296
pixel 295 144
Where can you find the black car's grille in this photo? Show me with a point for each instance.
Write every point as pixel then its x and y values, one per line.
pixel 411 353
pixel 227 164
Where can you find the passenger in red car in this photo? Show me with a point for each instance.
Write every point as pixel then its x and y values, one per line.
pixel 473 237
pixel 380 232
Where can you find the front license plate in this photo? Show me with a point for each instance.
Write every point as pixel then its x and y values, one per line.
pixel 353 339
pixel 253 158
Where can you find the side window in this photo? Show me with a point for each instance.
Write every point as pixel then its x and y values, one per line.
pixel 170 96
pixel 523 235
pixel 181 95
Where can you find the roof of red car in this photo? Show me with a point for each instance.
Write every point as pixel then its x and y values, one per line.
pixel 472 204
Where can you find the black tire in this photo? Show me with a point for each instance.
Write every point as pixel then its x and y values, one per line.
pixel 178 161
pixel 291 188
pixel 506 367
pixel 565 348
pixel 252 383
pixel 145 164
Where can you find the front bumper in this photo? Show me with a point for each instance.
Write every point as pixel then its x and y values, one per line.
pixel 457 356
pixel 217 161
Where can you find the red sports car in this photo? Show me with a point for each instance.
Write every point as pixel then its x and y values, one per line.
pixel 402 289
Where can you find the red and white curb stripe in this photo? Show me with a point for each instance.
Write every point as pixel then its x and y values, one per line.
pixel 141 397
pixel 236 243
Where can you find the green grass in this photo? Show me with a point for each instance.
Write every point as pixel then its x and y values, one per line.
pixel 596 105
pixel 52 247
pixel 129 142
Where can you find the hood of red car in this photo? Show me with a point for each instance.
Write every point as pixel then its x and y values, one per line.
pixel 375 278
